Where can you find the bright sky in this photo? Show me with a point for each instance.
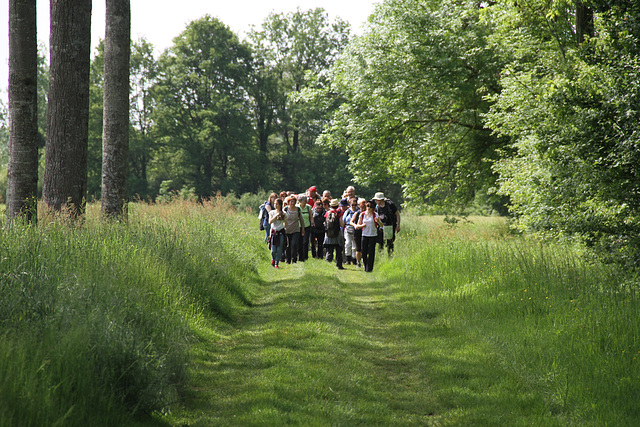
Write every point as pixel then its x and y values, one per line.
pixel 159 21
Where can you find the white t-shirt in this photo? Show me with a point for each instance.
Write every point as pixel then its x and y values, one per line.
pixel 278 224
pixel 370 228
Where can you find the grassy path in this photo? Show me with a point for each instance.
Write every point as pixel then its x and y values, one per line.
pixel 322 347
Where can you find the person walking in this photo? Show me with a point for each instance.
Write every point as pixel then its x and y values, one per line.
pixel 277 221
pixel 305 211
pixel 388 213
pixel 357 233
pixel 368 223
pixel 349 232
pixel 348 194
pixel 269 205
pixel 333 232
pixel 317 228
pixel 293 229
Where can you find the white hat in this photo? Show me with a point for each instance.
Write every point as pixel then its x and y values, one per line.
pixel 379 196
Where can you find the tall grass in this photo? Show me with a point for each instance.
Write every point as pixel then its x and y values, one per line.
pixel 567 328
pixel 98 323
pixel 96 319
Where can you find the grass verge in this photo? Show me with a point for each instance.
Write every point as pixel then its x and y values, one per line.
pixel 96 319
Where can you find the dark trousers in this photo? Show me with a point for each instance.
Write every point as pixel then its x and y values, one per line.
pixel 329 249
pixel 291 251
pixel 303 254
pixel 368 246
pixel 317 237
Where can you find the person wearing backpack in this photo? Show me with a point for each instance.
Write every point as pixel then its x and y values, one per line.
pixel 265 208
pixel 317 228
pixel 349 232
pixel 388 213
pixel 277 222
pixel 333 230
pixel 369 222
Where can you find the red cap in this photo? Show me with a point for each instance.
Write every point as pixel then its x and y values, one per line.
pixel 312 189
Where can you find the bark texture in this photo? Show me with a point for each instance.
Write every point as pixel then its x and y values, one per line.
pixel 65 175
pixel 22 176
pixel 115 137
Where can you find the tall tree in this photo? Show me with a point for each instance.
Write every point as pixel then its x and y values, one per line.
pixel 291 45
pixel 413 88
pixel 202 111
pixel 65 175
pixel 286 48
pixel 22 179
pixel 144 72
pixel 115 140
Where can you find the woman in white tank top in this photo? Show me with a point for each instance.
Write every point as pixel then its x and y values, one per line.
pixel 369 223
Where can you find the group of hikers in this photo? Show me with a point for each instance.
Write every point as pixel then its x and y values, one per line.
pixel 349 227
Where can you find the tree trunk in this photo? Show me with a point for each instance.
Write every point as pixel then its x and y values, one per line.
pixel 115 137
pixel 65 173
pixel 22 176
pixel 584 22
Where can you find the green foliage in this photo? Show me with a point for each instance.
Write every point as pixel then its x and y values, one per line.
pixel 413 89
pixel 289 50
pixel 572 114
pixel 201 109
pixel 96 116
pixel 212 108
pixel 144 72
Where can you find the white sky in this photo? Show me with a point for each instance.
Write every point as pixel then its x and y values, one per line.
pixel 159 21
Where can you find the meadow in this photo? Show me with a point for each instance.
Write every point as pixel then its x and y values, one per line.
pixel 177 318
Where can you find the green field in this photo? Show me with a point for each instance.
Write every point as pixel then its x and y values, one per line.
pixel 178 319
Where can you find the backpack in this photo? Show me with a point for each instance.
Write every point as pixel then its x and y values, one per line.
pixel 318 219
pixel 332 224
pixel 349 215
pixel 262 215
pixel 388 213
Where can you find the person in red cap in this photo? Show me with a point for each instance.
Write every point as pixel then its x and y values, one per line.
pixel 312 193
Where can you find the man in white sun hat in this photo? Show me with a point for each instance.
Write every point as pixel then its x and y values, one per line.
pixel 388 213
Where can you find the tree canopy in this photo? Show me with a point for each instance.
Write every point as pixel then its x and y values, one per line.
pixel 413 92
pixel 570 108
